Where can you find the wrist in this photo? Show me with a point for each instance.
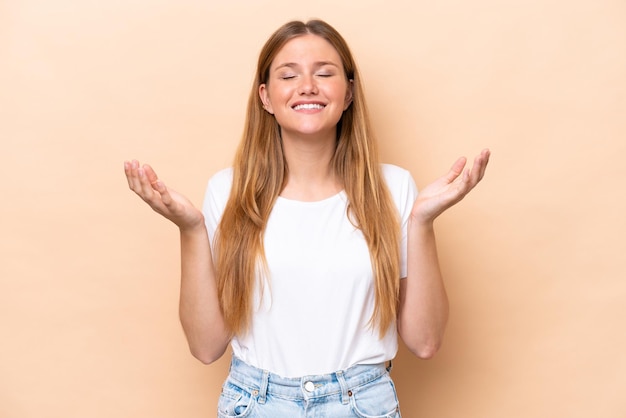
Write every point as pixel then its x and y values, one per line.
pixel 197 227
pixel 417 223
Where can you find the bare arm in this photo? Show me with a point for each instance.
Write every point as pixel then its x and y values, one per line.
pixel 199 310
pixel 423 313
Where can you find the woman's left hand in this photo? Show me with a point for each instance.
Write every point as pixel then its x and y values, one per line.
pixel 449 189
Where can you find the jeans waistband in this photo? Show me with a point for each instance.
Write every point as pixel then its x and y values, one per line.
pixel 264 382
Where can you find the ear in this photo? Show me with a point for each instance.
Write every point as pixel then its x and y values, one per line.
pixel 265 99
pixel 349 95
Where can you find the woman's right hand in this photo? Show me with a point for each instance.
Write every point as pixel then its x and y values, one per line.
pixel 177 208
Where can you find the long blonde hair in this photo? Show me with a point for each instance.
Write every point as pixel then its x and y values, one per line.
pixel 259 176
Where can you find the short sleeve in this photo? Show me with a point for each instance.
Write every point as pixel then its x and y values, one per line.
pixel 403 192
pixel 215 199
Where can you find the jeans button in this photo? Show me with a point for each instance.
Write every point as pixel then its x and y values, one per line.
pixel 309 386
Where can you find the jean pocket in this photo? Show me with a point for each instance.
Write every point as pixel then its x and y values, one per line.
pixel 376 399
pixel 235 401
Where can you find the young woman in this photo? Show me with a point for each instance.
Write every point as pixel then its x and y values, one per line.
pixel 309 256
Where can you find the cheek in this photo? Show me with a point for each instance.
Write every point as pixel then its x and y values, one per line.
pixel 280 94
pixel 338 91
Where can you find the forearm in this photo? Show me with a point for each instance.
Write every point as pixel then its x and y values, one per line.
pixel 199 310
pixel 423 310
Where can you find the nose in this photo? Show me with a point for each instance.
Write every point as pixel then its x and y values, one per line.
pixel 307 85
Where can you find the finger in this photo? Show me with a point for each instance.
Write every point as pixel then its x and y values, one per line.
pixel 146 191
pixel 166 197
pixel 133 176
pixel 456 170
pixel 127 173
pixel 158 186
pixel 150 173
pixel 465 184
pixel 486 153
pixel 480 165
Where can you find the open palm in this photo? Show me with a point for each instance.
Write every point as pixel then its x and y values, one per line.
pixel 449 189
pixel 166 202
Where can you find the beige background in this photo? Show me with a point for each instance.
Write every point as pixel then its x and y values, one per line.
pixel 533 258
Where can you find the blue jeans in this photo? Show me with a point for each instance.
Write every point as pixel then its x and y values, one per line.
pixel 364 391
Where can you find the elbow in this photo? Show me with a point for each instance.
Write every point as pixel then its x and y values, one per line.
pixel 422 345
pixel 206 357
pixel 423 341
pixel 207 343
pixel 205 349
pixel 425 351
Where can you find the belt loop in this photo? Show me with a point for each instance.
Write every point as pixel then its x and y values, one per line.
pixel 390 366
pixel 344 387
pixel 264 382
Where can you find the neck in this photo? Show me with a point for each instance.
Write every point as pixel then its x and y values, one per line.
pixel 310 175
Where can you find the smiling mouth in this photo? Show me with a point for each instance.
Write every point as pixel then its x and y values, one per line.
pixel 308 106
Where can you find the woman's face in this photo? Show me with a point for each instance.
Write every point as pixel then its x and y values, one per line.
pixel 307 90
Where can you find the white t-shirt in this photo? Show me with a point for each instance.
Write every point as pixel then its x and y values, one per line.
pixel 311 314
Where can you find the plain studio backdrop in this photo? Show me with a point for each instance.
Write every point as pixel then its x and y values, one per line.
pixel 533 258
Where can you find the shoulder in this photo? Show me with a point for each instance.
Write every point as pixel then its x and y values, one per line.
pixel 400 184
pixel 221 182
pixel 396 177
pixel 394 172
pixel 218 190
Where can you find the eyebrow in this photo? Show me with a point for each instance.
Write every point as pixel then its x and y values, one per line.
pixel 316 64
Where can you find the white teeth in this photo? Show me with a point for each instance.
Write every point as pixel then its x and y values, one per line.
pixel 308 106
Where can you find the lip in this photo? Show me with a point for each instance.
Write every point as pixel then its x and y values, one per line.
pixel 308 102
